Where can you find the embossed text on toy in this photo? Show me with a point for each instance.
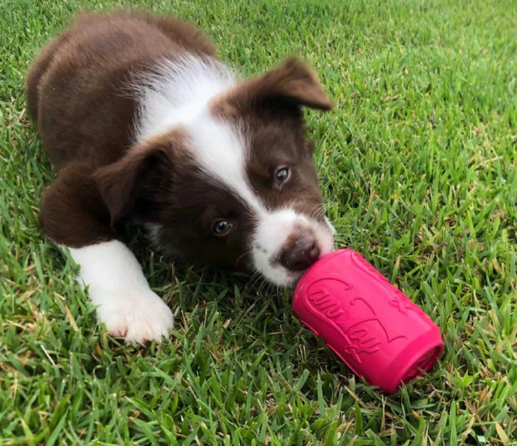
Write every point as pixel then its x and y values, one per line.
pixel 363 336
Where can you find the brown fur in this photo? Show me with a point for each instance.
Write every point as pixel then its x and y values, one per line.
pixel 123 184
pixel 72 211
pixel 75 88
pixel 292 82
pixel 75 94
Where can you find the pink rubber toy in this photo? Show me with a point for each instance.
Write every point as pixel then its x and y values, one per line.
pixel 375 329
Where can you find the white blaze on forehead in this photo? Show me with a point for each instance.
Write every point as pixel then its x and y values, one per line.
pixel 177 92
pixel 221 149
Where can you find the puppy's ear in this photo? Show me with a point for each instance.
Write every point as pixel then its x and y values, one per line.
pixel 292 82
pixel 127 181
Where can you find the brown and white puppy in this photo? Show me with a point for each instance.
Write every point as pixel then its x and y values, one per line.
pixel 145 125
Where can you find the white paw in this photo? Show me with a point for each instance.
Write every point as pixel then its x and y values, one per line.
pixel 138 316
pixel 124 301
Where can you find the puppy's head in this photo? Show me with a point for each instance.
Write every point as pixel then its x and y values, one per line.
pixel 235 185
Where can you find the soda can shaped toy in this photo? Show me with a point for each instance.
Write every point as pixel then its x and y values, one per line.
pixel 378 332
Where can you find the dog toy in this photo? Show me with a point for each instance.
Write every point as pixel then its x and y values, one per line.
pixel 374 328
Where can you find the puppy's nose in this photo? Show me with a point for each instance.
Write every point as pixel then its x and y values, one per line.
pixel 300 254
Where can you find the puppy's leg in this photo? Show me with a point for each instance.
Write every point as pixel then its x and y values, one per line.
pixel 73 215
pixel 127 305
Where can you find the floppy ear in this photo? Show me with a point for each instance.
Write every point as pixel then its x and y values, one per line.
pixel 291 82
pixel 123 183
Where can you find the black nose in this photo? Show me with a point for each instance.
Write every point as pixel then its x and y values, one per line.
pixel 301 254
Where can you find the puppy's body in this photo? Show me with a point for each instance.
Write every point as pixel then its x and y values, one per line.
pixel 146 125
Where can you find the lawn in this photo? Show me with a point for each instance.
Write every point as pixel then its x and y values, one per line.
pixel 419 171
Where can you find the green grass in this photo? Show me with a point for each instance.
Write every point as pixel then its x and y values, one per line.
pixel 418 165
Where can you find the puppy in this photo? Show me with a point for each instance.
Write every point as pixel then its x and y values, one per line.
pixel 146 126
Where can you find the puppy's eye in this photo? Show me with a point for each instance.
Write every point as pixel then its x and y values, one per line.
pixel 282 175
pixel 222 227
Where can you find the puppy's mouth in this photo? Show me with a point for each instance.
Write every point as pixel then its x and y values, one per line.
pixel 292 278
pixel 289 247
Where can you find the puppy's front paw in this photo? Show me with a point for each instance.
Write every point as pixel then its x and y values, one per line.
pixel 136 315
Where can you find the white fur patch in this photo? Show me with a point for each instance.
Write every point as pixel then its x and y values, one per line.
pixel 331 226
pixel 272 232
pixel 178 93
pixel 126 304
pixel 221 150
